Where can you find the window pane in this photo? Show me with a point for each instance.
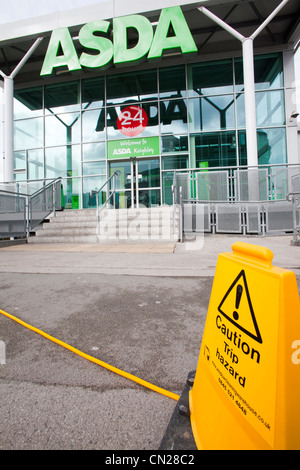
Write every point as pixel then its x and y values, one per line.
pixel 174 143
pixel 71 193
pixel 93 92
pixel 240 110
pixel 210 78
pixel 173 116
pixel 90 184
pixel 172 81
pixel 174 162
pixel 93 151
pixel 93 125
pixel 149 174
pixel 64 97
pixel 62 129
pixel 268 71
pixel 19 160
pixel 132 86
pixel 271 146
pixel 28 103
pixel 270 108
pixel 28 133
pixel 35 164
pixel 62 161
pixel 216 149
pixel 93 168
pixel 167 182
pixel 212 113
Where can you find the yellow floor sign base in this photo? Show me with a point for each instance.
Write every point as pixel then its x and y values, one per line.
pixel 247 383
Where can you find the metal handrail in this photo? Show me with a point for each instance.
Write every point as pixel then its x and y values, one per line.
pixel 28 216
pixel 113 177
pixel 294 198
pixel 18 193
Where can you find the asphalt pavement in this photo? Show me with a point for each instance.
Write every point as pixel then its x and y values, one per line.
pixel 139 308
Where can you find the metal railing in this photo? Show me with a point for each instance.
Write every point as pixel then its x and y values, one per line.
pixel 20 213
pixel 100 193
pixel 243 201
pixel 295 200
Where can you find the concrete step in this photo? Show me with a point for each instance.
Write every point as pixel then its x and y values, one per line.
pixel 80 226
pixel 66 231
pixel 59 225
pixel 76 213
pixel 64 239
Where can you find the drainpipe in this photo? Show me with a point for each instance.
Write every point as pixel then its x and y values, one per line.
pixel 9 114
pixel 249 79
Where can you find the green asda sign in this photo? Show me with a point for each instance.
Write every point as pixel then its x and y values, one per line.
pixel 61 51
pixel 133 148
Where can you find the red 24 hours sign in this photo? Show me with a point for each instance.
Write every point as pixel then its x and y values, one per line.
pixel 132 121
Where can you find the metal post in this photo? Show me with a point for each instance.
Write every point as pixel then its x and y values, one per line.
pixel 9 114
pixel 249 80
pixel 9 129
pixel 250 106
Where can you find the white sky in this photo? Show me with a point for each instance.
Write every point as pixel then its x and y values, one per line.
pixel 14 10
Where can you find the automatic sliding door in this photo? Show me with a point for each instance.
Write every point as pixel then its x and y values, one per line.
pixel 138 184
pixel 148 182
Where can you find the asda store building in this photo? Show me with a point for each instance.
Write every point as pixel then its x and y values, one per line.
pixel 118 87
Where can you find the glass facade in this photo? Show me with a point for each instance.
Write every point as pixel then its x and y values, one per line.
pixel 197 111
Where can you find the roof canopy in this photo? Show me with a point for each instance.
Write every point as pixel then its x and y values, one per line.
pixel 243 15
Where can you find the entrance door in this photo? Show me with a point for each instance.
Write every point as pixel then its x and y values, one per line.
pixel 138 183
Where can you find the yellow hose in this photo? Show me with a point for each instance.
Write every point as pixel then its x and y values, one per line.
pixel 94 359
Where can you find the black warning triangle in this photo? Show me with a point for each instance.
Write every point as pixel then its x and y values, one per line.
pixel 230 310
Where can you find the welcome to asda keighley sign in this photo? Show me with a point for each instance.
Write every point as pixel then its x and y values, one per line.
pixel 99 51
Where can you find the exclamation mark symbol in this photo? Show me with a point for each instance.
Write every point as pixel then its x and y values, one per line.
pixel 239 292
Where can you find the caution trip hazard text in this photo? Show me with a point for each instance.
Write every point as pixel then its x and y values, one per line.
pixel 237 331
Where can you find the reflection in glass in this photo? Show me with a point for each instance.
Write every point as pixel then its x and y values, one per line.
pixel 270 109
pixel 92 184
pixel 94 151
pixel 210 78
pixel 172 81
pixel 93 125
pixel 174 162
pixel 268 71
pixel 212 113
pixel 132 86
pixel 28 133
pixel 63 97
pixel 93 168
pixel 149 198
pixel 112 113
pixel 271 145
pixel 215 149
pixel 35 164
pixel 93 92
pixel 28 103
pixel 173 116
pixel 174 143
pixel 63 129
pixel 148 173
pixel 62 161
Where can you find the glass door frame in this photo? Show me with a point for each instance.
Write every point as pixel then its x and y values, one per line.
pixel 135 176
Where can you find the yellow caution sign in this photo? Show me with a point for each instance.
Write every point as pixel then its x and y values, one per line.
pixel 247 383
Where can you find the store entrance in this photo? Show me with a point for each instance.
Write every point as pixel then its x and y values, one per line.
pixel 138 183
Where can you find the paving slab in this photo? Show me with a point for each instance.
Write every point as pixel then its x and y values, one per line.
pixel 132 307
